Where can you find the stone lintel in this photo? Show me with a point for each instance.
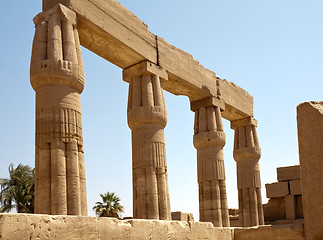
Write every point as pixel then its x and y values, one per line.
pixel 144 68
pixel 249 121
pixel 113 32
pixel 208 102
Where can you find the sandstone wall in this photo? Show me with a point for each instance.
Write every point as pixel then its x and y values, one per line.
pixel 34 226
pixel 310 143
pixel 285 195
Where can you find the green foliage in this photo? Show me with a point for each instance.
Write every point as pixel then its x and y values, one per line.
pixel 109 207
pixel 18 191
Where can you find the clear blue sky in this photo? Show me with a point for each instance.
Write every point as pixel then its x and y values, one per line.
pixel 272 49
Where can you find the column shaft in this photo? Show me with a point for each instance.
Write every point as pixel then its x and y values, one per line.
pixel 147 120
pixel 57 76
pixel 246 154
pixel 209 140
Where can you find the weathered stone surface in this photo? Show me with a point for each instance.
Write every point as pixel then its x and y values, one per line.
pixel 45 227
pixel 310 143
pixel 114 33
pixel 277 189
pixel 288 173
pixel 295 187
pixel 290 208
pixel 209 140
pixel 233 211
pixel 282 232
pixel 275 209
pixel 180 216
pixel 247 153
pixel 147 119
pixel 57 76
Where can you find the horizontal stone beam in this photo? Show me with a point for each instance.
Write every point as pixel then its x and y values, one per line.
pixel 113 32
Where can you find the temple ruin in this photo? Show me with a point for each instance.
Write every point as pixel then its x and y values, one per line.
pixel 150 66
pixel 57 76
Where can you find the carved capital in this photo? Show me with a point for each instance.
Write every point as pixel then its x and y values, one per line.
pixel 144 115
pixel 209 138
pixel 146 102
pixel 208 127
pixel 56 55
pixel 246 144
pixel 144 68
pixel 247 154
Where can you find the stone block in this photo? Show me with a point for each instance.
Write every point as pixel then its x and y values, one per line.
pixel 288 173
pixel 180 216
pixel 233 211
pixel 299 207
pixel 295 187
pixel 207 102
pixel 116 34
pixel 268 232
pixel 290 209
pixel 310 144
pixel 235 221
pixel 274 210
pixel 46 227
pixel 277 189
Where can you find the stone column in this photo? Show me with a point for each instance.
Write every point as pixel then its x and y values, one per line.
pixel 247 153
pixel 310 145
pixel 147 119
pixel 57 76
pixel 209 140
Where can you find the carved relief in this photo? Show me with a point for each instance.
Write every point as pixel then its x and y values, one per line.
pixel 247 153
pixel 209 140
pixel 147 118
pixel 57 76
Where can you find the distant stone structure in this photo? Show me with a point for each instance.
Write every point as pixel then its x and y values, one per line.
pixel 285 201
pixel 180 216
pixel 150 66
pixel 310 143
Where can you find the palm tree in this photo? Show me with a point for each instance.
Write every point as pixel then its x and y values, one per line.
pixel 109 207
pixel 18 191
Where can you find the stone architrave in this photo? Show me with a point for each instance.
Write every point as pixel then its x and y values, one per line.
pixel 310 144
pixel 209 140
pixel 247 153
pixel 147 119
pixel 57 76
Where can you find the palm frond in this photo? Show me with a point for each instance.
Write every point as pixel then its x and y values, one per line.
pixel 109 207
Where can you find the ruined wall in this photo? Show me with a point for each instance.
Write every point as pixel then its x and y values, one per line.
pixel 34 226
pixel 285 201
pixel 310 143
